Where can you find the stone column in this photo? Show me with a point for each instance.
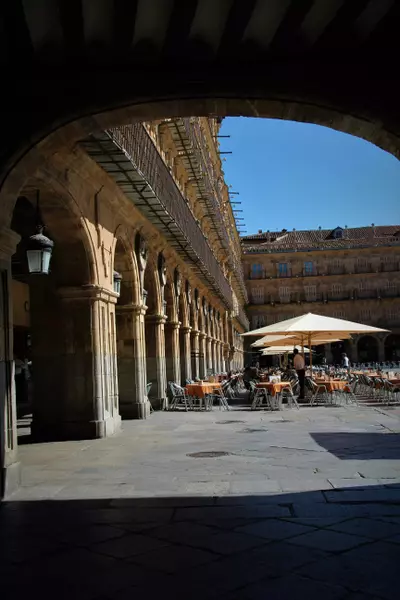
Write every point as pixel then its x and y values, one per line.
pixel 381 348
pixel 172 351
pixel 227 362
pixel 328 354
pixel 132 361
pixel 209 352
pixel 195 353
pixel 9 465
pixel 74 372
pixel 214 354
pixel 156 367
pixel 186 367
pixel 203 355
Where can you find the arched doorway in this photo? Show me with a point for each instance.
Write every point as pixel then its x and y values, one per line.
pixel 68 327
pixel 172 352
pixel 392 347
pixel 367 349
pixel 129 315
pixel 155 336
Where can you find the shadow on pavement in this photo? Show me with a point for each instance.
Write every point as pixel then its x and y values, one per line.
pixel 342 543
pixel 361 446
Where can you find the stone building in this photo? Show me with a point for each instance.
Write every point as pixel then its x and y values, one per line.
pixel 346 273
pixel 144 208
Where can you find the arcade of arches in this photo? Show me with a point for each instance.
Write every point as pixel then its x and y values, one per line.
pixel 98 355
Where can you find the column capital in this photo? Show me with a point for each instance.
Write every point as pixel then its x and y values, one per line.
pixel 8 242
pixel 186 329
pixel 156 319
pixel 87 292
pixel 202 335
pixel 173 324
pixel 195 332
pixel 137 309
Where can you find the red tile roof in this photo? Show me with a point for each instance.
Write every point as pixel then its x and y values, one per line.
pixel 321 238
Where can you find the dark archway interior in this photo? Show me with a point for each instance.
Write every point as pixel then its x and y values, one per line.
pixel 367 349
pixel 392 347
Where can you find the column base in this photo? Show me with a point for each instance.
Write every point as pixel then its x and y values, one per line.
pixel 136 410
pixel 75 430
pixel 10 479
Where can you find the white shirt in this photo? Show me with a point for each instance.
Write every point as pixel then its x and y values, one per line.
pixel 346 361
pixel 298 362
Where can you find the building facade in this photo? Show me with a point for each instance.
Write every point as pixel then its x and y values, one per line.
pixel 145 205
pixel 351 274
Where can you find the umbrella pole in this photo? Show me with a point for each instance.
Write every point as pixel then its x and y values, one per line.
pixel 310 349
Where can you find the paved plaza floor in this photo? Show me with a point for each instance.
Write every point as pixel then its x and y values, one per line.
pixel 233 505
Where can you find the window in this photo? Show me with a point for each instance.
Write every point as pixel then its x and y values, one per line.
pixel 391 288
pixel 338 234
pixel 308 267
pixel 258 321
pixel 393 315
pixel 339 314
pixel 284 294
pixel 336 290
pixel 257 295
pixel 310 292
pixel 365 315
pixel 283 269
pixel 256 271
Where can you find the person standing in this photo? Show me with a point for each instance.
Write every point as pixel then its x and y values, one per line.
pixel 346 363
pixel 300 367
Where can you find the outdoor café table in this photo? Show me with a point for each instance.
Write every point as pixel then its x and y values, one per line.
pixel 199 390
pixel 333 385
pixel 274 389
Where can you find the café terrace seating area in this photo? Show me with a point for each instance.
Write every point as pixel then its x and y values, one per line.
pixel 278 388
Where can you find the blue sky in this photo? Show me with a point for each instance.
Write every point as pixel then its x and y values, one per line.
pixel 297 175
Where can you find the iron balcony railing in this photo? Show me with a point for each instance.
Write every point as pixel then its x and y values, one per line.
pixel 129 155
pixel 187 136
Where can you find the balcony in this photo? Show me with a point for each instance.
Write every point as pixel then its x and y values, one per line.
pixel 129 156
pixel 187 136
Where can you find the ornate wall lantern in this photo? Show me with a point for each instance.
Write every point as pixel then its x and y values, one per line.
pixel 39 248
pixel 117 278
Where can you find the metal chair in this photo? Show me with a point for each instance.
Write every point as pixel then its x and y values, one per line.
pixel 179 397
pixel 317 390
pixel 219 395
pixel 148 388
pixel 290 394
pixel 261 394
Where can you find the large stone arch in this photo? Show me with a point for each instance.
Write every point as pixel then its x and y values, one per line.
pixel 125 263
pixel 368 348
pixel 392 347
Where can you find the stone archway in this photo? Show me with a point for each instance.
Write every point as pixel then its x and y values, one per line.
pixel 154 334
pixel 129 315
pixel 66 403
pixel 367 347
pixel 392 347
pixel 184 333
pixel 171 328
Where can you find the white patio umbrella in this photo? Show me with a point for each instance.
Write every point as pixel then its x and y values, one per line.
pixel 275 340
pixel 272 350
pixel 310 328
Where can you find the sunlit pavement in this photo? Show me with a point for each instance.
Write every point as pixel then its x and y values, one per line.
pixel 235 505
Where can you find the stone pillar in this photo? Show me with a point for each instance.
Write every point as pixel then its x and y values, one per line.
pixel 9 465
pixel 227 363
pixel 214 354
pixel 131 361
pixel 208 354
pixel 172 351
pixel 156 367
pixel 381 348
pixel 328 354
pixel 203 355
pixel 74 372
pixel 195 354
pixel 186 367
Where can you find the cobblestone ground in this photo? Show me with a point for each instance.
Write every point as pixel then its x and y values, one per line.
pixel 232 505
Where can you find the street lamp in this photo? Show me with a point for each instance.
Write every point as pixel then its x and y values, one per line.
pixel 117 278
pixel 39 248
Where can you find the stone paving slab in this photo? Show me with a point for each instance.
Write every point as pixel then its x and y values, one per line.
pixel 304 504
